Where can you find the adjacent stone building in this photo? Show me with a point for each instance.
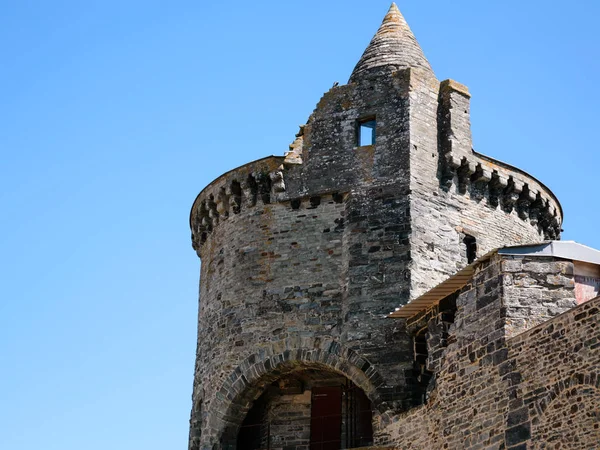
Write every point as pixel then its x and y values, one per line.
pixel 381 203
pixel 508 351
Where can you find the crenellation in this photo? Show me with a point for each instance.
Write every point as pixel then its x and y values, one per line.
pixel 524 202
pixel 465 173
pixel 477 175
pixel 222 204
pixel 536 208
pixel 235 196
pixel 503 190
pixel 497 187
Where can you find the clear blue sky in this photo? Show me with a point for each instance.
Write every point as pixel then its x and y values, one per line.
pixel 115 114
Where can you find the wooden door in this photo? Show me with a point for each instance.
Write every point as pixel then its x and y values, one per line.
pixel 326 418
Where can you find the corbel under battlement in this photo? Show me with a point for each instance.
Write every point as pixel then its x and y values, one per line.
pixel 503 185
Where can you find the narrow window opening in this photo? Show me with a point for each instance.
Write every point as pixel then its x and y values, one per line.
pixel 471 248
pixel 366 132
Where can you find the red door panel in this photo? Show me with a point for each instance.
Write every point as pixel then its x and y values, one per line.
pixel 326 418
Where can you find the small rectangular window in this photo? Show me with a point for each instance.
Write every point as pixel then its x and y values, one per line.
pixel 366 132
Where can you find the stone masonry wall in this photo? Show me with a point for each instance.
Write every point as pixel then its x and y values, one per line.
pixel 535 290
pixel 376 252
pixel 538 389
pixel 279 279
pixel 289 418
pixel 303 256
pixel 446 206
pixel 555 376
pixel 325 255
pixel 469 369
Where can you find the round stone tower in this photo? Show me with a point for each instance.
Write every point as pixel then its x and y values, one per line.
pixel 380 198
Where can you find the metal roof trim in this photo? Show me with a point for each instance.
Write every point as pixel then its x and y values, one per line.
pixel 559 249
pixel 570 250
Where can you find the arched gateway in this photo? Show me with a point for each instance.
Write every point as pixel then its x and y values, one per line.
pixel 311 397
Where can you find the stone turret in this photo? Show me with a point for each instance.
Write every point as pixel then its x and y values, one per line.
pixel 304 255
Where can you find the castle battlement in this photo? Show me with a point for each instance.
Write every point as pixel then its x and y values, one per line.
pixel 501 184
pixel 476 175
pixel 259 181
pixel 465 172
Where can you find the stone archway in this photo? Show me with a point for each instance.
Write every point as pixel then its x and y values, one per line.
pixel 569 416
pixel 308 406
pixel 251 378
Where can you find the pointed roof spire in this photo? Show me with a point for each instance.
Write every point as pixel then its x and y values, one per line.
pixel 393 45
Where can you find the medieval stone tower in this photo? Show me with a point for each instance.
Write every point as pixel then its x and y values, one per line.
pixel 380 198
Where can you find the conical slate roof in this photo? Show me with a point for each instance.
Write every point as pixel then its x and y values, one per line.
pixel 393 45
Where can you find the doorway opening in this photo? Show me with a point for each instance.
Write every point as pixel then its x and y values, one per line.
pixel 314 409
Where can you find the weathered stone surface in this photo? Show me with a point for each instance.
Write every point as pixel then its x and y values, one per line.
pixel 501 387
pixel 304 255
